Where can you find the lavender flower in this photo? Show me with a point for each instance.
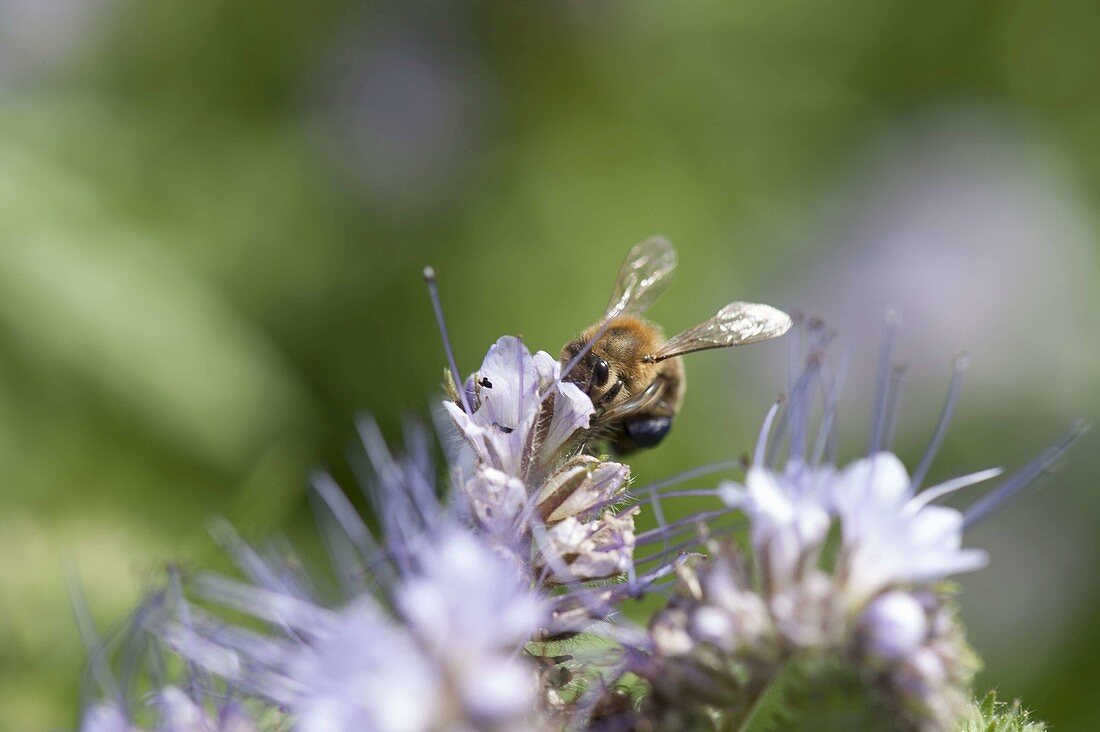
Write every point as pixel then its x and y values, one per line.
pixel 877 603
pixel 436 617
pixel 450 660
pixel 527 489
pixel 449 618
pixel 890 536
pixel 438 643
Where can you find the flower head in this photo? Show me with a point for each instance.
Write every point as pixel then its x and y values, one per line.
pixel 444 619
pixel 872 601
pixel 529 489
pixel 448 657
pixel 523 413
pixel 430 637
pixel 891 537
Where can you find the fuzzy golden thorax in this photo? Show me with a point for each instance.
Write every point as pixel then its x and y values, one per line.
pixel 615 369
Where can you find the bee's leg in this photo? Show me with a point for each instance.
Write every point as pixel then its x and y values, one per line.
pixel 647 432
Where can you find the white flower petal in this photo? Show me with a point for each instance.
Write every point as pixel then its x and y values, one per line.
pixel 880 479
pixel 936 527
pixel 548 368
pixel 508 388
pixel 508 378
pixel 366 673
pixel 930 568
pixel 473 433
pixel 572 411
pixel 502 689
pixel 104 718
pixel 733 494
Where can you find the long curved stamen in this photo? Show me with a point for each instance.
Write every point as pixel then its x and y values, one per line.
pixel 663 526
pixel 825 443
pixel 882 384
pixel 675 480
pixel 893 404
pixel 950 486
pixel 433 292
pixel 759 457
pixel 663 532
pixel 1025 475
pixel 961 364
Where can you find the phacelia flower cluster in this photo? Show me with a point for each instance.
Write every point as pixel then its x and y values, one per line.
pixel 848 562
pixel 495 603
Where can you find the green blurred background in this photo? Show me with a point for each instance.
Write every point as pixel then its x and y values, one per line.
pixel 213 217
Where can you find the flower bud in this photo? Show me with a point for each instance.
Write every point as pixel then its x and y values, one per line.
pixel 893 626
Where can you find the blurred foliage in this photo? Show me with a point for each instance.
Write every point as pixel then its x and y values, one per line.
pixel 213 217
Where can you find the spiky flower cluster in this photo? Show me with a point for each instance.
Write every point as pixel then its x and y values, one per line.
pixel 428 634
pixel 844 562
pixel 454 614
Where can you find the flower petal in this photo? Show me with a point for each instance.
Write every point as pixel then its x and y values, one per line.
pixel 594 550
pixel 572 411
pixel 582 485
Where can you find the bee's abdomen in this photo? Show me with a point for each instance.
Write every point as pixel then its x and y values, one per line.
pixel 635 434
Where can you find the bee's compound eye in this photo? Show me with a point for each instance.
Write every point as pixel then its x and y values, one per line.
pixel 601 371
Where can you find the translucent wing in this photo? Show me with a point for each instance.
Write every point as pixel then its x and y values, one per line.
pixel 645 274
pixel 735 325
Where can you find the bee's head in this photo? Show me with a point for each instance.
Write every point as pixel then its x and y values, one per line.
pixel 613 368
pixel 594 374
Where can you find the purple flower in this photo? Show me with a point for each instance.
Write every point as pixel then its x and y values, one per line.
pixel 890 536
pixel 528 488
pixel 872 605
pixel 448 658
pixel 524 413
pixel 789 515
pixel 431 634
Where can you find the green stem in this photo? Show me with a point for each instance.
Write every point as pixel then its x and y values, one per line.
pixel 765 699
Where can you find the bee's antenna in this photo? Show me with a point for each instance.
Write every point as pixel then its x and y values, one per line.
pixel 433 292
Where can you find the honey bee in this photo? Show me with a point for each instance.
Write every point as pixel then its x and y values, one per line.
pixel 632 373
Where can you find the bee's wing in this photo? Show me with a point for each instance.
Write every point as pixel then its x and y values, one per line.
pixel 645 274
pixel 735 325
